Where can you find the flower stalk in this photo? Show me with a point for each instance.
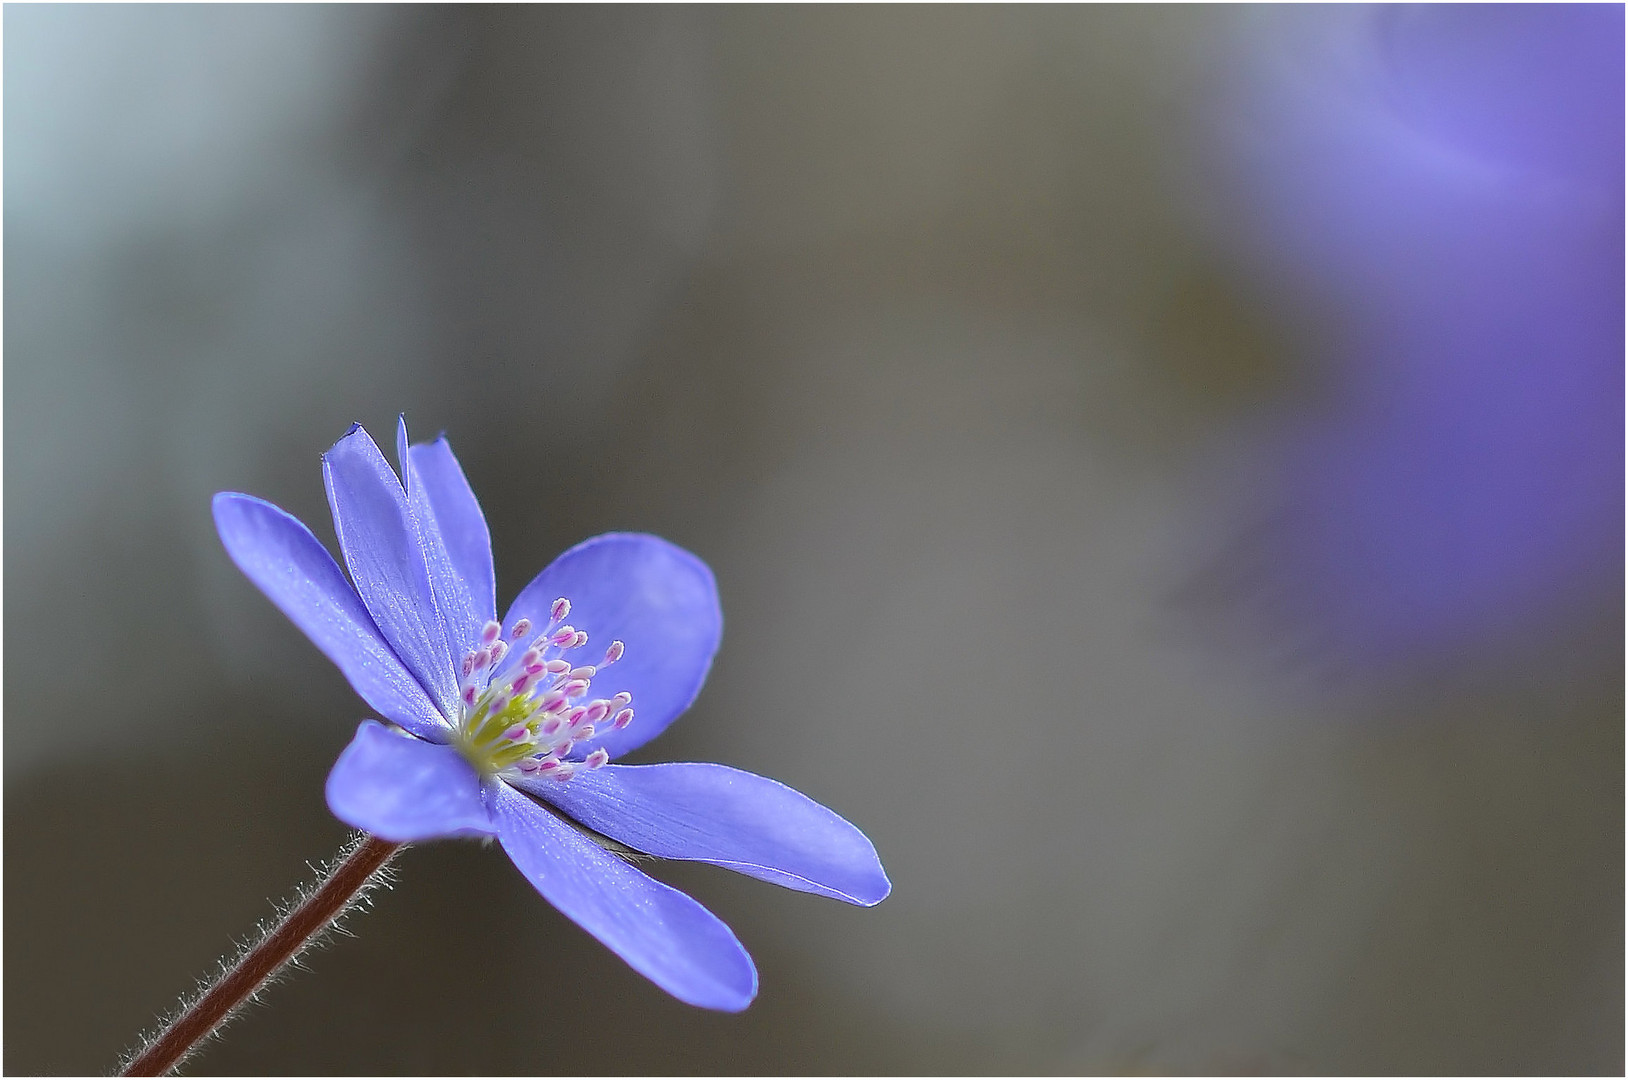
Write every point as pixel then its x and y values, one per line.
pixel 356 870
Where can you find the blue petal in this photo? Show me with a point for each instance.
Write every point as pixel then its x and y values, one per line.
pixel 441 497
pixel 460 621
pixel 654 596
pixel 401 453
pixel 297 574
pixel 382 548
pixel 663 934
pixel 719 815
pixel 403 789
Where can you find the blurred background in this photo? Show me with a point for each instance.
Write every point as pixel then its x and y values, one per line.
pixel 1163 467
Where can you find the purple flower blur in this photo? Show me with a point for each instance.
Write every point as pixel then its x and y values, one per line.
pixel 1447 183
pixel 496 732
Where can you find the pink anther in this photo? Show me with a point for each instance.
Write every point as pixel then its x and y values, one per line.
pixel 482 658
pixel 558 667
pixel 551 726
pixel 469 664
pixel 499 648
pixel 521 628
pixel 623 719
pixel 561 608
pixel 489 633
pixel 563 636
pixel 598 711
pixel 614 653
pixel 597 759
pixel 469 695
pixel 584 673
pixel 579 641
pixel 575 688
pixel 516 733
pixel 576 716
pixel 622 700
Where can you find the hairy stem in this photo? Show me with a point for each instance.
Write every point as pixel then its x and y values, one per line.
pixel 345 881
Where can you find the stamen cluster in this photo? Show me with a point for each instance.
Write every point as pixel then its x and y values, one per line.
pixel 524 705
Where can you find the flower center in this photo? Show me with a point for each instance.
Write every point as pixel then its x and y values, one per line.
pixel 524 705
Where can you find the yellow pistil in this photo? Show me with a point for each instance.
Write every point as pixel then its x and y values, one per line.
pixel 482 738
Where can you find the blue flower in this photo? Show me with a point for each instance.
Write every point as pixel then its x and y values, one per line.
pixel 499 728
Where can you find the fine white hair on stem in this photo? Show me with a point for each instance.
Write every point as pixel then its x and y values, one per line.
pixel 359 896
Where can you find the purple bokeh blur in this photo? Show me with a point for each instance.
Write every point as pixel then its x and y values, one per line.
pixel 1442 187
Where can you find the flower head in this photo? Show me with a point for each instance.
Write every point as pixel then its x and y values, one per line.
pixel 500 728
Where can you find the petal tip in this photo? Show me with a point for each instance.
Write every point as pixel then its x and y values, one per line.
pixel 224 502
pixel 721 996
pixel 873 885
pixel 883 889
pixel 234 516
pixel 351 432
pixel 735 1003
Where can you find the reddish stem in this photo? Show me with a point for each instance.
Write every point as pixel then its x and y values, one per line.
pixel 254 967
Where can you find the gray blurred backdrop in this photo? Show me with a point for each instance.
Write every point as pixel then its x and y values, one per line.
pixel 901 319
